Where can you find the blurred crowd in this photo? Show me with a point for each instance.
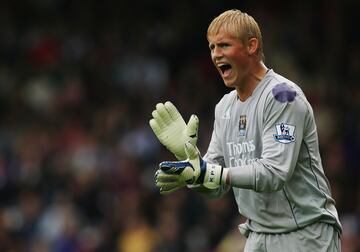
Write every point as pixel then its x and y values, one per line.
pixel 78 83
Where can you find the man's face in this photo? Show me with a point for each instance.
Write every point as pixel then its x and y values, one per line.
pixel 231 58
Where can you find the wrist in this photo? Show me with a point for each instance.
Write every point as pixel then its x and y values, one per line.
pixel 224 177
pixel 215 176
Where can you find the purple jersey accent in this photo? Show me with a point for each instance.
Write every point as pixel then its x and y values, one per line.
pixel 284 93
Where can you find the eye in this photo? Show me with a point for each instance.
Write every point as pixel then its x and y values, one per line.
pixel 224 45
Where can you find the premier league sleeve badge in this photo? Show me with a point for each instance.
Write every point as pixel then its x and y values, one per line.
pixel 285 133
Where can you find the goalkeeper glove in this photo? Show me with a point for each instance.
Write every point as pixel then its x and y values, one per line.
pixel 168 183
pixel 171 129
pixel 194 170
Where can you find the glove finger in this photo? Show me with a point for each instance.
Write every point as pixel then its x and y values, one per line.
pixel 168 186
pixel 163 177
pixel 157 118
pixel 193 127
pixel 156 129
pixel 170 114
pixel 157 173
pixel 191 150
pixel 163 113
pixel 166 192
pixel 172 111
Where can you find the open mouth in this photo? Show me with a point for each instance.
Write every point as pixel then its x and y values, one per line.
pixel 224 68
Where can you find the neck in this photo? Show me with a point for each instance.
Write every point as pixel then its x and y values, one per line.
pixel 256 74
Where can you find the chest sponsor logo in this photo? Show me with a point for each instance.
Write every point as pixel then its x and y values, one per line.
pixel 241 153
pixel 285 133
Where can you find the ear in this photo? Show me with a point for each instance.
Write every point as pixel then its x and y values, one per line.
pixel 252 46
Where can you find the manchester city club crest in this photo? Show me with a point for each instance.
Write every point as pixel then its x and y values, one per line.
pixel 285 133
pixel 242 125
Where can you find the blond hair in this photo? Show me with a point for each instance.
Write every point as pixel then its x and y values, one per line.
pixel 238 24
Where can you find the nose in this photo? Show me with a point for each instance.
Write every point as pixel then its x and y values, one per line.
pixel 216 53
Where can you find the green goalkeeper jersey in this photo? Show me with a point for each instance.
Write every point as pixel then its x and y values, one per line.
pixel 270 144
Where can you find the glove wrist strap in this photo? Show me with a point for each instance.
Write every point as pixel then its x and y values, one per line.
pixel 215 176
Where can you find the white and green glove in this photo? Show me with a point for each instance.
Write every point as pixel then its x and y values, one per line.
pixel 168 183
pixel 171 129
pixel 192 171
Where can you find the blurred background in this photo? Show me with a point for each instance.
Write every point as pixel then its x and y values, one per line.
pixel 78 83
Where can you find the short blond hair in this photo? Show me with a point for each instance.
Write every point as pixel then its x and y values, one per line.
pixel 238 24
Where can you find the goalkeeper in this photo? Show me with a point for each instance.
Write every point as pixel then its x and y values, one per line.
pixel 264 146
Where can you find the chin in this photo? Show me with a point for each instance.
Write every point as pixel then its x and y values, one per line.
pixel 229 83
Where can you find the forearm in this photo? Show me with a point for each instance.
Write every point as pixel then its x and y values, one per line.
pixel 258 176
